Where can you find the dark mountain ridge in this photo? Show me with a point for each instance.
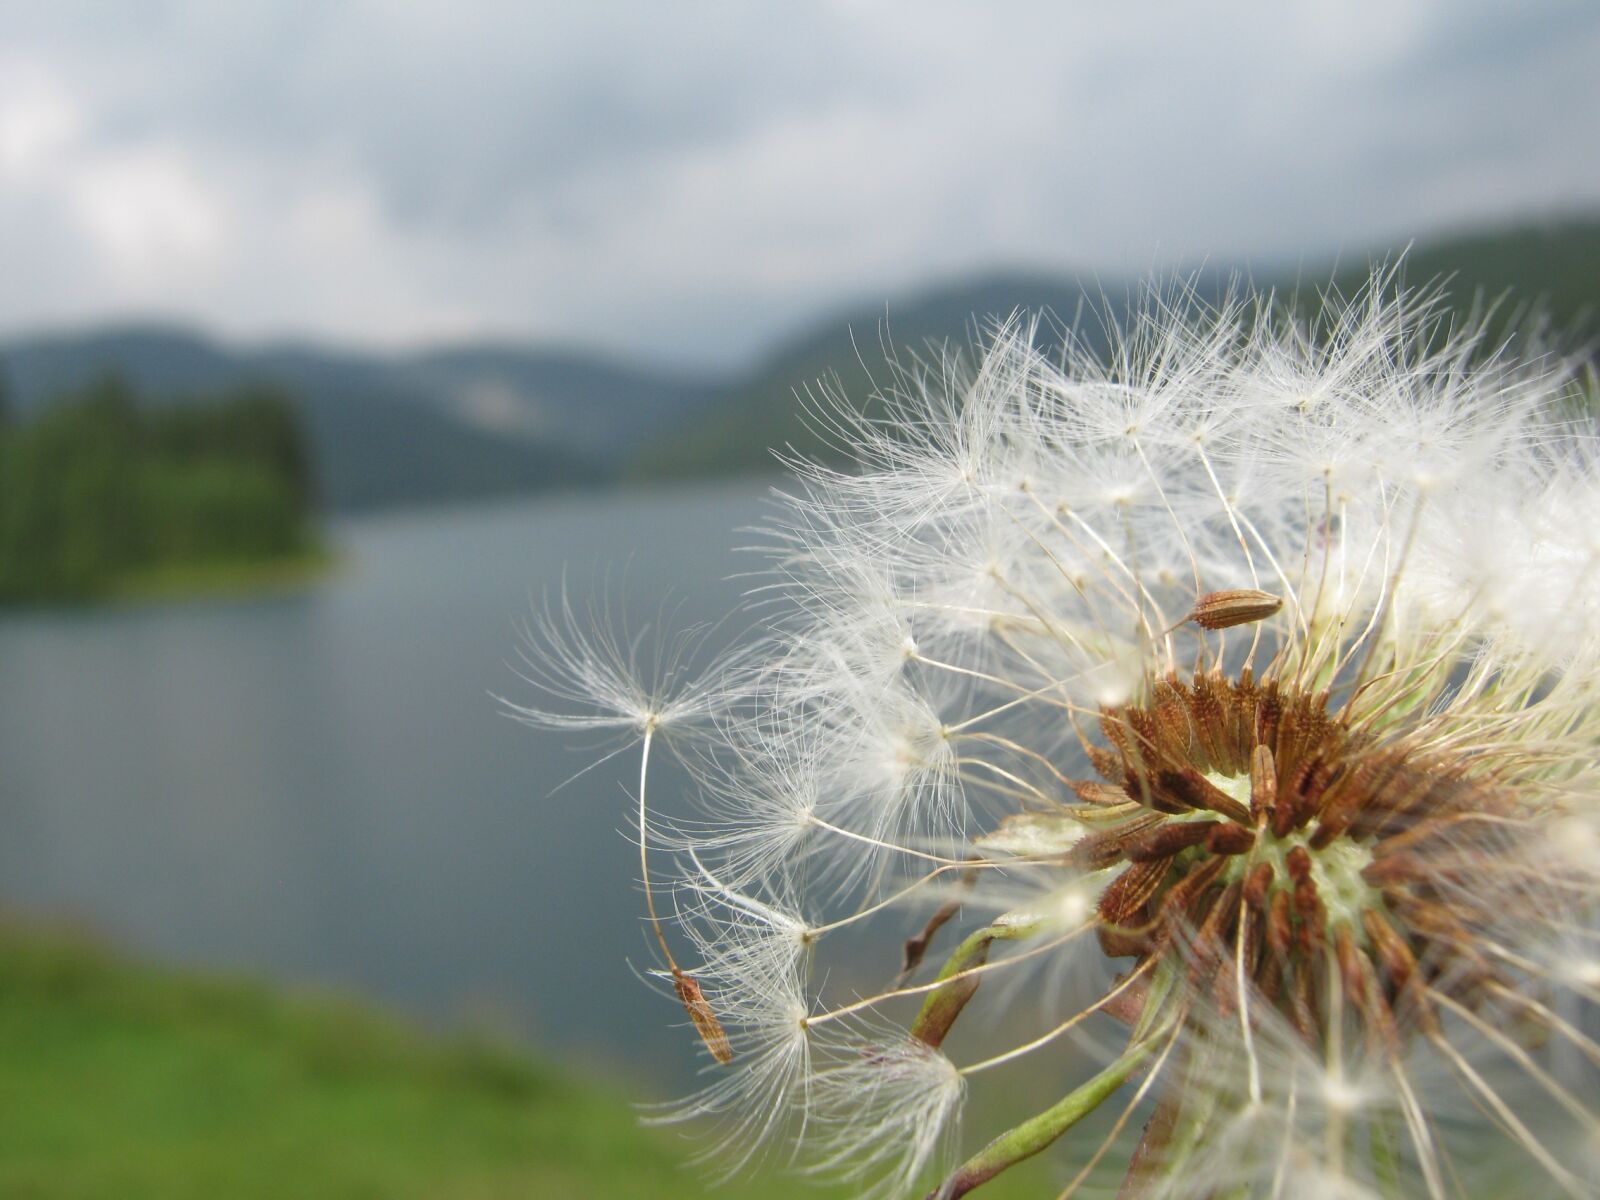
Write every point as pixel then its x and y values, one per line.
pixel 1552 267
pixel 490 417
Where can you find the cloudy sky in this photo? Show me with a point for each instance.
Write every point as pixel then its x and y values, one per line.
pixel 685 180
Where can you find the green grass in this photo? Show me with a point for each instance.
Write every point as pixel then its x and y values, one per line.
pixel 126 1080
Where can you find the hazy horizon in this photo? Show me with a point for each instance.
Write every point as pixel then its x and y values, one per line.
pixel 827 309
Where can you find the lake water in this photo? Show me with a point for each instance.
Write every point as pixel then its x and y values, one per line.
pixel 320 786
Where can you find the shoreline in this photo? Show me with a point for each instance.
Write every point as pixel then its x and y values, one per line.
pixel 223 580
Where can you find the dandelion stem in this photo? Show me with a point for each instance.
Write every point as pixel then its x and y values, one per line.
pixel 1038 1132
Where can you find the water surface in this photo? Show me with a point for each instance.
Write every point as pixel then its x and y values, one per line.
pixel 319 786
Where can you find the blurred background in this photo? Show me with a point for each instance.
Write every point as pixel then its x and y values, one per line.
pixel 333 336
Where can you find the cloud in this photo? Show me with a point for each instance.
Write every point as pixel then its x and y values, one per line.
pixel 685 180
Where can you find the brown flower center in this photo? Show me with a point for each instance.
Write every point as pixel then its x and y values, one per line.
pixel 1256 826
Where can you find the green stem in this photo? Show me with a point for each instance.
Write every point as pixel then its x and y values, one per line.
pixel 1385 1154
pixel 943 1005
pixel 1036 1133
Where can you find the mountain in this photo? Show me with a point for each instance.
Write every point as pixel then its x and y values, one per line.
pixel 605 410
pixel 466 421
pixel 767 410
pixel 483 418
pixel 1554 266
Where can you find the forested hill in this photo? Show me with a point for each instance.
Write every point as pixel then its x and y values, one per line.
pixel 389 429
pixel 1555 267
pixel 103 496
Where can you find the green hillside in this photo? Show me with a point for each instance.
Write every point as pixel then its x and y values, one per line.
pixel 125 1081
pixel 1555 266
pixel 766 411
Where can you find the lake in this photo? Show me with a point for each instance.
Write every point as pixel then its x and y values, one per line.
pixel 320 786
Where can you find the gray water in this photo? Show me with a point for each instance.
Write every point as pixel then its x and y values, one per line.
pixel 319 787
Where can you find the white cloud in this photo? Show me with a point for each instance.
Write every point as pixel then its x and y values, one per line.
pixel 150 213
pixel 37 120
pixel 687 179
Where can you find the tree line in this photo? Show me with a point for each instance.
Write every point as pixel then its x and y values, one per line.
pixel 101 485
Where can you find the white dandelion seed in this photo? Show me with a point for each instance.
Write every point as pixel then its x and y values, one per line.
pixel 881 1112
pixel 1257 656
pixel 608 680
pixel 752 965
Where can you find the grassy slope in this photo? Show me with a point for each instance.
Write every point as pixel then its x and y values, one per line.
pixel 129 1081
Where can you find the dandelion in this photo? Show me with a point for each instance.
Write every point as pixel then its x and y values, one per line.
pixel 1241 681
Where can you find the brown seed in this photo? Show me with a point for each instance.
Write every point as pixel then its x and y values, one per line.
pixel 1131 942
pixel 1284 809
pixel 1107 763
pixel 1230 839
pixel 1168 839
pixel 1263 782
pixel 1105 848
pixel 1104 795
pixel 1120 903
pixel 1257 884
pixel 1298 861
pixel 1209 934
pixel 1269 713
pixel 1173 730
pixel 1245 696
pixel 1207 708
pixel 1312 916
pixel 1440 925
pixel 1189 889
pixel 1366 993
pixel 1399 966
pixel 1191 789
pixel 1303 1003
pixel 1117 728
pixel 1269 977
pixel 705 1020
pixel 1329 828
pixel 1349 959
pixel 1153 792
pixel 1395 868
pixel 1302 726
pixel 1280 927
pixel 1394 954
pixel 1237 606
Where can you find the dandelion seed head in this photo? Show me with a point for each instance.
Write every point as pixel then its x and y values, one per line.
pixel 1250 659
